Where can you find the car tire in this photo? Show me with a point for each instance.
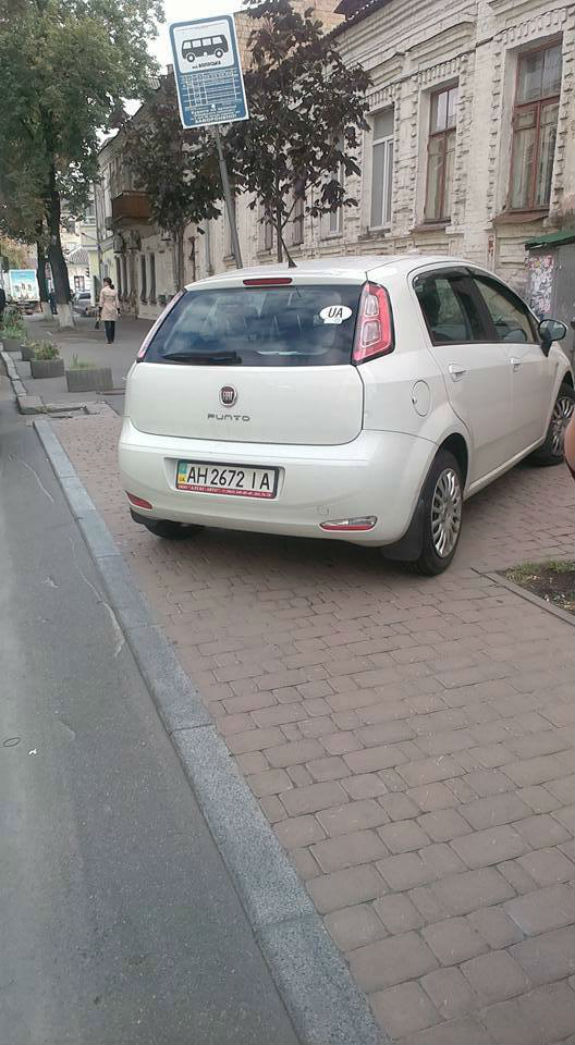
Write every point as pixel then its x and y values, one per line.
pixel 168 530
pixel 551 451
pixel 442 498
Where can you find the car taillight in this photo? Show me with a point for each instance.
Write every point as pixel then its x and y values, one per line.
pixel 151 333
pixel 374 334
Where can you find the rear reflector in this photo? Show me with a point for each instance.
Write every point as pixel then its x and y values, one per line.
pixel 374 335
pixel 364 522
pixel 268 281
pixel 139 501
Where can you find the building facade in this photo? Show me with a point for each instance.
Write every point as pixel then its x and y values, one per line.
pixel 470 148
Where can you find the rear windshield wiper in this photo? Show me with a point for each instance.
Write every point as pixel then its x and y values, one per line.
pixel 205 358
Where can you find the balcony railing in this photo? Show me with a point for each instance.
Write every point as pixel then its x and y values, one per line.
pixel 130 207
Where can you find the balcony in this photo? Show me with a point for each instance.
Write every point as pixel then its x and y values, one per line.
pixel 130 208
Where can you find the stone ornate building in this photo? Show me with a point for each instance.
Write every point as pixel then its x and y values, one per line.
pixel 470 148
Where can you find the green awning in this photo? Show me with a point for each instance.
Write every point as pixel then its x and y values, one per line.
pixel 552 239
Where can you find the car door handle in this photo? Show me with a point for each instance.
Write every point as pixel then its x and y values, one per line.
pixel 515 363
pixel 457 372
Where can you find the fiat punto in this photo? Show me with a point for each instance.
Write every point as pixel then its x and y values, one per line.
pixel 360 398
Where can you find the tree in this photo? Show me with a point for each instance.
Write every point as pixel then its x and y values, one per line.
pixel 306 108
pixel 176 167
pixel 66 66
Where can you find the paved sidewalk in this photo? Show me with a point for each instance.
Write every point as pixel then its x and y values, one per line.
pixel 409 739
pixel 89 345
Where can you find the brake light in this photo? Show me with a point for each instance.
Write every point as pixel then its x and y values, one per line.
pixel 139 502
pixel 374 335
pixel 268 281
pixel 153 330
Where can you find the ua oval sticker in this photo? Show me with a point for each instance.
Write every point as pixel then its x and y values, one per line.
pixel 335 313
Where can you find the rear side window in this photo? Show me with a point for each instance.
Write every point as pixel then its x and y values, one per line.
pixel 510 316
pixel 260 326
pixel 450 309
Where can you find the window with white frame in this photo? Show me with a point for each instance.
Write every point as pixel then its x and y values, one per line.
pixel 535 117
pixel 381 169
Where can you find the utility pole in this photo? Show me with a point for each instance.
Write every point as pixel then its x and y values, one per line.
pixel 231 211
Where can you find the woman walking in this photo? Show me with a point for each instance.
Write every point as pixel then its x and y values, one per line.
pixel 109 309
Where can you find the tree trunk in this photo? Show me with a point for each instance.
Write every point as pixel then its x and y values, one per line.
pixel 178 258
pixel 41 278
pixel 279 237
pixel 56 255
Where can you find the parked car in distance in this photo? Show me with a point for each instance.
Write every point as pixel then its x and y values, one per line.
pixel 82 303
pixel 360 398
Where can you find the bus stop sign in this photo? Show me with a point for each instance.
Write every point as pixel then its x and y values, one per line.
pixel 208 72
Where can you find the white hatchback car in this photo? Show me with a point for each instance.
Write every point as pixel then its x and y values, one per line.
pixel 359 398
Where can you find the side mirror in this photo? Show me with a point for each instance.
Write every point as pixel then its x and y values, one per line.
pixel 551 330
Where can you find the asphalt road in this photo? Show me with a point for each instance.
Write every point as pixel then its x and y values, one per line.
pixel 118 920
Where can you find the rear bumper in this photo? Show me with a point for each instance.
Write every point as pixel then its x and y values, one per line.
pixel 379 473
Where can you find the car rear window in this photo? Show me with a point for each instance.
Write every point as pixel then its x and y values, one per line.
pixel 309 325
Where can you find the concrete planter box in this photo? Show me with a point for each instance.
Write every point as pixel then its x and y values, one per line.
pixel 27 353
pixel 11 344
pixel 97 380
pixel 47 368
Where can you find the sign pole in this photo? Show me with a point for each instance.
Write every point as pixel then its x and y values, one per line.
pixel 228 199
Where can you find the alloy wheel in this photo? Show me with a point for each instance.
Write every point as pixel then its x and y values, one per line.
pixel 446 506
pixel 562 412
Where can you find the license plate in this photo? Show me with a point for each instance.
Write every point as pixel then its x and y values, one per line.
pixel 234 480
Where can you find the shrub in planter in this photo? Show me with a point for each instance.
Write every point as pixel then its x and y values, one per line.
pixel 46 361
pixel 84 376
pixel 28 350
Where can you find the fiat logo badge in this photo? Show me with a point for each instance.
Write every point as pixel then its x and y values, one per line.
pixel 228 395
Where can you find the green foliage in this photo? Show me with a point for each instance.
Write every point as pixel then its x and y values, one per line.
pixel 66 67
pixel 306 108
pixel 176 167
pixel 46 350
pixel 82 364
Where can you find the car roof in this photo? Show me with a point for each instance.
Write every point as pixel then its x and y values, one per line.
pixel 354 267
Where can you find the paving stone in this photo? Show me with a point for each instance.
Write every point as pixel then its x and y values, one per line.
pixel 552 1010
pixel 454 941
pixel 441 859
pixel 398 913
pixel 495 810
pixel 354 926
pixel 495 976
pixel 547 957
pixel 508 1024
pixel 517 876
pixel 352 817
pixel 429 771
pixel 313 798
pixel 444 824
pixel 483 848
pixel 432 796
pixel 343 888
pixel 299 831
pixel 370 759
pixel 542 830
pixel 486 782
pixel 403 836
pixel 403 1009
pixel 547 866
pixel 462 893
pixel 542 910
pixel 535 770
pixel 390 961
pixel 282 755
pixel 405 871
pixel 495 926
pixel 465 1031
pixel 364 785
pixel 450 992
pixel 359 847
pixel 330 768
